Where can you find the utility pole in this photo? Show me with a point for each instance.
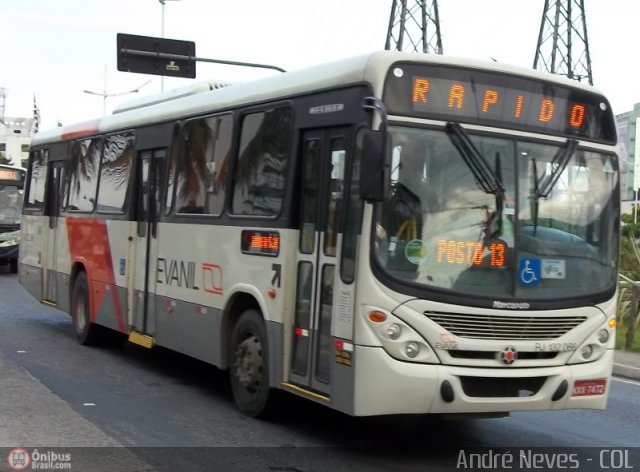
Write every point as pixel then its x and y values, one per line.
pixel 563 47
pixel 414 27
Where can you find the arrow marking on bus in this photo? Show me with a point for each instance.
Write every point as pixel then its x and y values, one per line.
pixel 276 268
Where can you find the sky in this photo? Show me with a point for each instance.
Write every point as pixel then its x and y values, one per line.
pixel 54 50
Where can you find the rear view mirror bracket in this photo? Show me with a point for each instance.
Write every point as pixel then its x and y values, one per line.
pixel 375 181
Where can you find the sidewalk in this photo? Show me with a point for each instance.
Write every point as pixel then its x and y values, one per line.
pixel 627 364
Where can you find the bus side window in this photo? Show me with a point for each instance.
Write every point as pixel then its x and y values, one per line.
pixel 115 169
pixel 38 178
pixel 336 196
pixel 353 210
pixel 259 178
pixel 202 149
pixel 83 173
pixel 174 155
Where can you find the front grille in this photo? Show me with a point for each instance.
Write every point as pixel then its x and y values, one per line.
pixel 7 228
pixel 485 387
pixel 488 355
pixel 505 327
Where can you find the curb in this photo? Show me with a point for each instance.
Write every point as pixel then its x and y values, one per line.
pixel 628 371
pixel 626 364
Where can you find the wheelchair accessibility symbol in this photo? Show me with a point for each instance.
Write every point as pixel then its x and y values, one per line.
pixel 529 271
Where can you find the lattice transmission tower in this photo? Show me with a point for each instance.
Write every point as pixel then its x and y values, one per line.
pixel 414 27
pixel 563 47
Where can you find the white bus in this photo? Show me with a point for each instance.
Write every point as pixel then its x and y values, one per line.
pixel 11 191
pixel 393 233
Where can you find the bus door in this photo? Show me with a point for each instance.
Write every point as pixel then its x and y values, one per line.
pixel 147 196
pixel 324 154
pixel 55 181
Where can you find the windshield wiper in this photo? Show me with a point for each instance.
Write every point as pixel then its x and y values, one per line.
pixel 542 188
pixel 558 164
pixel 485 176
pixel 489 180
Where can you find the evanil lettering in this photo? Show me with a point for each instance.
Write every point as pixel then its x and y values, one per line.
pixel 179 273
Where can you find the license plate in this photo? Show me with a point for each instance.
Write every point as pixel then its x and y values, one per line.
pixel 583 388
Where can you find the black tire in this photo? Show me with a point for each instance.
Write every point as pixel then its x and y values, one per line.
pixel 86 332
pixel 13 266
pixel 249 367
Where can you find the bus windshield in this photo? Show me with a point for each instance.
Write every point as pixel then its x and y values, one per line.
pixel 10 204
pixel 547 230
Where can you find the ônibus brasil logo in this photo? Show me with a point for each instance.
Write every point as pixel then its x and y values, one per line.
pixel 19 458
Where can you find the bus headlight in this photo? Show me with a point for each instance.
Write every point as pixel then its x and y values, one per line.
pixel 394 331
pixel 586 351
pixel 596 344
pixel 603 336
pixel 412 349
pixel 400 340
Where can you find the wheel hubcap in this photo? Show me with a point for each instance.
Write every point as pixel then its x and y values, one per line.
pixel 248 363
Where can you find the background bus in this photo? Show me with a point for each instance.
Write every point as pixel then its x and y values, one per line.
pixel 393 233
pixel 11 192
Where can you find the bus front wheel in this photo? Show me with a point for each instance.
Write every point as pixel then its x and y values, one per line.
pixel 249 367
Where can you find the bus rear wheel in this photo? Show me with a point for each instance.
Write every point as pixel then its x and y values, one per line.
pixel 86 332
pixel 249 367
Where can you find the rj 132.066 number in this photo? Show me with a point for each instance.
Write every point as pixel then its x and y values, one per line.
pixel 556 347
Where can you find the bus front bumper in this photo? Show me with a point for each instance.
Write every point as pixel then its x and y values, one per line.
pixel 384 385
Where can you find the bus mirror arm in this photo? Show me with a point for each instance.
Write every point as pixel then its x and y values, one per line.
pixel 375 167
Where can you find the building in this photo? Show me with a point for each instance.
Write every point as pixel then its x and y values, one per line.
pixel 628 125
pixel 15 139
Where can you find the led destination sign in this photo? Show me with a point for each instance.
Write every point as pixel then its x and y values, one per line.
pixel 470 253
pixel 481 97
pixel 10 174
pixel 264 243
pixel 495 102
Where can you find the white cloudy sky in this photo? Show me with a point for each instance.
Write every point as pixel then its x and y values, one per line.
pixel 55 49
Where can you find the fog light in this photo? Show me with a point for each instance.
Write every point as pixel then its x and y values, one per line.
pixel 412 349
pixel 603 336
pixel 394 331
pixel 586 351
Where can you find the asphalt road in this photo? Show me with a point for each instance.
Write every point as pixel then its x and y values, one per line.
pixel 132 409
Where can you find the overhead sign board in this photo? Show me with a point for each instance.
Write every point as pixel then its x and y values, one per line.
pixel 157 56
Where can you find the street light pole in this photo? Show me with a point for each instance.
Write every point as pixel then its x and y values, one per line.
pixel 162 3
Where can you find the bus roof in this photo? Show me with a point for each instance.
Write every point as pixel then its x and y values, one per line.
pixel 207 97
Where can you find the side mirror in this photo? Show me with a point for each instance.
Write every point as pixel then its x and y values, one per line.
pixel 375 167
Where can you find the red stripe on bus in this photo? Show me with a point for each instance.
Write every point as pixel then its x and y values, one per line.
pixel 79 130
pixel 89 243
